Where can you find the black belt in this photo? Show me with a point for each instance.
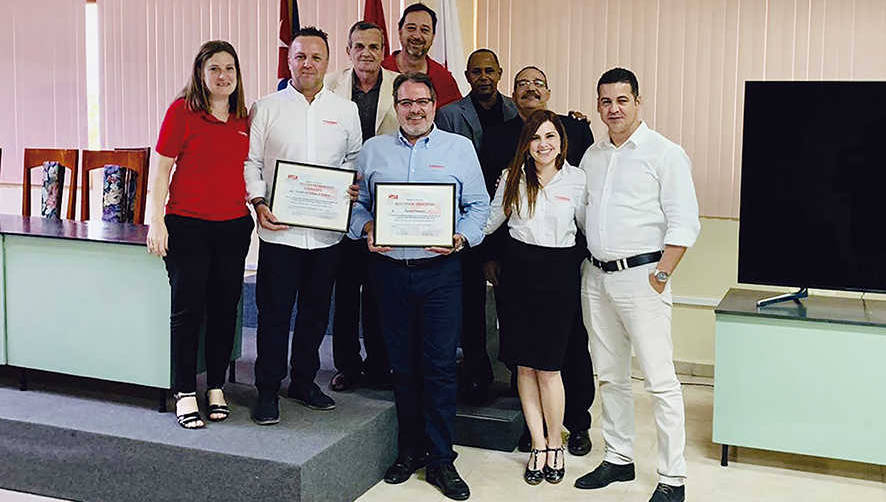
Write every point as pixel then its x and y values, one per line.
pixel 623 263
pixel 415 262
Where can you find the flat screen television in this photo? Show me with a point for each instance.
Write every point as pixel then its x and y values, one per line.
pixel 813 185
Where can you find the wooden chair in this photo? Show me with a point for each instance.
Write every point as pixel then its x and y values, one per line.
pixel 35 157
pixel 134 160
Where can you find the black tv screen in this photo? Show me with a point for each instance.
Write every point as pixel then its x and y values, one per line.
pixel 813 185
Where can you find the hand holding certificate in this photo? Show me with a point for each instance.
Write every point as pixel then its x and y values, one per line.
pixel 306 195
pixel 414 215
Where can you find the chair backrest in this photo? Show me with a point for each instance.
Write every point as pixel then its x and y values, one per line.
pixel 134 160
pixel 142 181
pixel 35 157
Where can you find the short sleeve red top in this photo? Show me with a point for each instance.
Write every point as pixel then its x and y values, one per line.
pixel 444 84
pixel 209 154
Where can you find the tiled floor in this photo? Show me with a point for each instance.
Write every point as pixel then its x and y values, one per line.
pixel 754 475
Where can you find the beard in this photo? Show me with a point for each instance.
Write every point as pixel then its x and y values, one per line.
pixel 416 51
pixel 418 130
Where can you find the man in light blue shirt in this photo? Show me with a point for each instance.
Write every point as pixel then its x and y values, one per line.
pixel 419 289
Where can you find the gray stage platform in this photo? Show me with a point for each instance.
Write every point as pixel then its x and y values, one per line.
pixel 91 440
pixel 88 440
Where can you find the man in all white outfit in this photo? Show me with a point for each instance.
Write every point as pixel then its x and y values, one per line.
pixel 641 217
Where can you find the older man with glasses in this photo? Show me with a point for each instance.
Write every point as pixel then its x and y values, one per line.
pixel 419 289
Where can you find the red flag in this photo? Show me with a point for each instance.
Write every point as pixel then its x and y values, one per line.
pixel 288 26
pixel 374 13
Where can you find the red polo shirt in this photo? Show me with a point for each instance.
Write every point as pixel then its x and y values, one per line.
pixel 209 154
pixel 444 84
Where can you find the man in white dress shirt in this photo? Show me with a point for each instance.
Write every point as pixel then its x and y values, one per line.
pixel 641 217
pixel 303 123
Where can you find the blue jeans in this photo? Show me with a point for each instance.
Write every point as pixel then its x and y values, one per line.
pixel 420 313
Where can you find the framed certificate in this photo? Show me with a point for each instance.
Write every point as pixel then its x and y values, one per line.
pixel 414 214
pixel 305 195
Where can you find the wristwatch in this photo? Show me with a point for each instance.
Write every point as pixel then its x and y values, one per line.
pixel 259 201
pixel 661 276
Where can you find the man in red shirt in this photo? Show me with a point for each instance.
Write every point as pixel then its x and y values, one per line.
pixel 417 26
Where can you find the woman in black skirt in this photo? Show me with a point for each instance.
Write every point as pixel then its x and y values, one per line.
pixel 539 196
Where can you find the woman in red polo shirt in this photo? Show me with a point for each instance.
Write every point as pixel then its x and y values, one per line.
pixel 205 232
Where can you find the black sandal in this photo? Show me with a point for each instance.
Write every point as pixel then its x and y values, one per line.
pixel 533 476
pixel 553 475
pixel 217 409
pixel 188 418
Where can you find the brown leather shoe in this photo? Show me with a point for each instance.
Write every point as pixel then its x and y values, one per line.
pixel 342 382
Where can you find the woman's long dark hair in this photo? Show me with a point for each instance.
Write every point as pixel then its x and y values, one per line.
pixel 511 202
pixel 195 93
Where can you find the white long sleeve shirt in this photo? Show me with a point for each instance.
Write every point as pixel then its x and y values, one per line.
pixel 556 207
pixel 284 126
pixel 640 196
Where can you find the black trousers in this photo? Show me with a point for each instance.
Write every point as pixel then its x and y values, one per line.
pixel 476 366
pixel 353 307
pixel 204 263
pixel 578 379
pixel 420 308
pixel 286 274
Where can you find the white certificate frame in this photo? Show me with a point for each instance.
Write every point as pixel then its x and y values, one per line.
pixel 388 231
pixel 317 195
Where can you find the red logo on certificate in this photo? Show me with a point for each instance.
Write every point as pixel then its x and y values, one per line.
pixel 292 177
pixel 393 196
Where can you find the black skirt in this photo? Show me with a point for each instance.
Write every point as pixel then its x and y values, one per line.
pixel 541 292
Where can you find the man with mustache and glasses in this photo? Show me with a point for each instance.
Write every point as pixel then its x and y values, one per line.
pixel 370 87
pixel 303 123
pixel 417 28
pixel 482 109
pixel 419 289
pixel 531 93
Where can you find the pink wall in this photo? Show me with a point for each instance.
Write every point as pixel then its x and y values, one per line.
pixel 692 58
pixel 43 88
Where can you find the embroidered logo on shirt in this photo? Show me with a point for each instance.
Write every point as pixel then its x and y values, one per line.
pixel 243 133
pixel 436 166
pixel 329 122
pixel 562 197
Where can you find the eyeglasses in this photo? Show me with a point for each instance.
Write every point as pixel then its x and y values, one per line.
pixel 421 102
pixel 522 84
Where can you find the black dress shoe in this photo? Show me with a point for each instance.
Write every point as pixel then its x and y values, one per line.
pixel 524 444
pixel 477 393
pixel 446 478
pixel 533 475
pixel 554 475
pixel 668 493
pixel 266 410
pixel 379 381
pixel 579 443
pixel 403 467
pixel 604 474
pixel 342 382
pixel 312 397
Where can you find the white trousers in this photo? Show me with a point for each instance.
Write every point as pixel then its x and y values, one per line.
pixel 622 310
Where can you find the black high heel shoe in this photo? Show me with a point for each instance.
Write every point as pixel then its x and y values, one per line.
pixel 191 420
pixel 551 474
pixel 533 476
pixel 221 411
